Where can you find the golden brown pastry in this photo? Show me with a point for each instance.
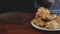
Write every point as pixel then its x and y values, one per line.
pixel 58 19
pixel 43 9
pixel 44 18
pixel 38 17
pixel 52 24
pixel 39 23
pixel 43 12
pixel 52 16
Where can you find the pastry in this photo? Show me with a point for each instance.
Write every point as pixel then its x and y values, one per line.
pixel 58 19
pixel 43 12
pixel 44 18
pixel 39 23
pixel 43 9
pixel 52 16
pixel 52 24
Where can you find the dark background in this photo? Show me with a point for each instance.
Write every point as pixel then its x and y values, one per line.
pixel 16 5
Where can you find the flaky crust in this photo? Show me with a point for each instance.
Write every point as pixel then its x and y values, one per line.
pixel 58 19
pixel 52 24
pixel 39 23
pixel 52 16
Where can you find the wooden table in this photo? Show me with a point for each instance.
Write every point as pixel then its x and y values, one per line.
pixel 23 28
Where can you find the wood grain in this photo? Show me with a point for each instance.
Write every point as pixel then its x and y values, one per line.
pixel 24 28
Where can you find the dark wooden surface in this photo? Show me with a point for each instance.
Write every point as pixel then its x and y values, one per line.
pixel 23 28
